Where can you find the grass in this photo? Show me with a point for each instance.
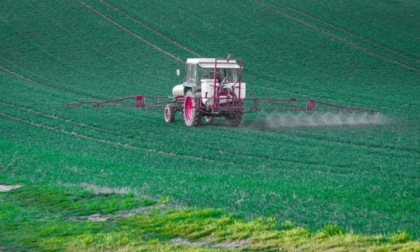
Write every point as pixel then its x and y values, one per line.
pixel 360 178
pixel 82 219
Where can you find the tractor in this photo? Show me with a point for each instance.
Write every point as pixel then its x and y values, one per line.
pixel 211 88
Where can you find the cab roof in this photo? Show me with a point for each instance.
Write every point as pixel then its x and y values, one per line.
pixel 209 63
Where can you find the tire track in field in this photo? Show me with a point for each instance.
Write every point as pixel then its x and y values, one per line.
pixel 97 12
pixel 161 35
pixel 392 50
pixel 382 151
pixel 129 146
pixel 240 155
pixel 90 97
pixel 170 40
pixel 33 111
pixel 252 75
pixel 48 86
pixel 232 154
pixel 150 28
pixel 182 46
pixel 343 40
pixel 236 154
pixel 105 141
pixel 76 38
pixel 298 94
pixel 331 170
pixel 195 53
pixel 54 117
pixel 379 148
pixel 174 42
pixel 157 32
pixel 81 124
pixel 15 74
pixel 65 91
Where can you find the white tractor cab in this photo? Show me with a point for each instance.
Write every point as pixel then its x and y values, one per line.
pixel 212 88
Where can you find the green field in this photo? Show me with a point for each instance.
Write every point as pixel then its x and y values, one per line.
pixel 359 173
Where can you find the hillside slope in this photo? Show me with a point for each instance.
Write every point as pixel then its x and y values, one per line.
pixel 363 177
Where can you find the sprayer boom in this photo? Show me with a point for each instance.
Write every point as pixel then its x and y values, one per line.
pixel 212 88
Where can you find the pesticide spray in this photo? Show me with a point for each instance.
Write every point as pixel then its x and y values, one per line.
pixel 305 119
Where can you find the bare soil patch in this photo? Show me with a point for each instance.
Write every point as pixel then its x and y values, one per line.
pixel 6 188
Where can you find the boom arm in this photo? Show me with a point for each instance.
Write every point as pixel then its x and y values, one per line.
pixel 249 104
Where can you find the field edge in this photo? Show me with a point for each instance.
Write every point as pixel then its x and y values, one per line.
pixel 82 219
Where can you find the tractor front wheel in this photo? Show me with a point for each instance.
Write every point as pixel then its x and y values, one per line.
pixel 192 115
pixel 169 113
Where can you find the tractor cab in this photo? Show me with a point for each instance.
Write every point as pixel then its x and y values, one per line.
pixel 201 73
pixel 212 87
pixel 222 71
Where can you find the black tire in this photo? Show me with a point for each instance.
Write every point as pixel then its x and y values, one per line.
pixel 169 113
pixel 192 115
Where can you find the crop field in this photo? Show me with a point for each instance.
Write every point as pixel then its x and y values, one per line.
pixel 360 172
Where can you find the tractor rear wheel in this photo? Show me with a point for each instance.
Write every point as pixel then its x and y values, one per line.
pixel 192 115
pixel 169 113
